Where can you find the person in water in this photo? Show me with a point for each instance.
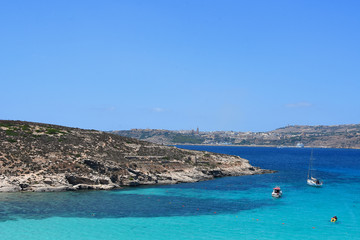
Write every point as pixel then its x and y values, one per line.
pixel 334 219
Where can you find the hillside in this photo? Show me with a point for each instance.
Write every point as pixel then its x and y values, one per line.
pixel 339 136
pixel 43 157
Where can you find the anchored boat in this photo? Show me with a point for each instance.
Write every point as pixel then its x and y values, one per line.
pixel 276 192
pixel 312 181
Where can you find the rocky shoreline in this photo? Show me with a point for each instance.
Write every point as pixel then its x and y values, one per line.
pixel 70 182
pixel 41 157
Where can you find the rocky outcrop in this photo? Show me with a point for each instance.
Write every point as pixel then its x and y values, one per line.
pixel 42 157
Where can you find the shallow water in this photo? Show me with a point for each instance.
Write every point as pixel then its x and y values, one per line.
pixel 224 208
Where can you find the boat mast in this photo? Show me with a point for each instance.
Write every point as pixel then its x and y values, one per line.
pixel 310 163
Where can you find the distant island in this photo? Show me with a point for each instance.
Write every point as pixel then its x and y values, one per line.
pixel 337 136
pixel 44 157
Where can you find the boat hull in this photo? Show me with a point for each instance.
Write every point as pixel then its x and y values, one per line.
pixel 313 183
pixel 276 195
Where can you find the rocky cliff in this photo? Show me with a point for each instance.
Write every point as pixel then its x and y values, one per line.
pixel 43 157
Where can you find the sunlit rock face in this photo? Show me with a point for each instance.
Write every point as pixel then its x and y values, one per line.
pixel 43 157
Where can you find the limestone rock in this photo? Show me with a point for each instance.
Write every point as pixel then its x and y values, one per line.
pixel 43 157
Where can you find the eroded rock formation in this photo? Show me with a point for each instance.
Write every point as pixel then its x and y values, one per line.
pixel 43 157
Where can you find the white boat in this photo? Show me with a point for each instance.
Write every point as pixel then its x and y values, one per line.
pixel 276 192
pixel 312 181
pixel 300 145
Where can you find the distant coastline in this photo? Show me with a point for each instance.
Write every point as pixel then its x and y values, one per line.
pixel 266 146
pixel 338 136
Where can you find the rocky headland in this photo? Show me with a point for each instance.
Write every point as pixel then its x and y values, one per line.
pixel 44 157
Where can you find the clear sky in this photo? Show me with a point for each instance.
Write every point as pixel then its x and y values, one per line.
pixel 180 64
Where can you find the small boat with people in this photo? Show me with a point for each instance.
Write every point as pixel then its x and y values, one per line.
pixel 276 192
pixel 312 181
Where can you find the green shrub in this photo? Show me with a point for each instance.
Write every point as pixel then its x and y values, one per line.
pixel 11 133
pixel 6 124
pixel 52 131
pixel 25 127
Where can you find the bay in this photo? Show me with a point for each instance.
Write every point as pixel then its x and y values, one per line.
pixel 223 208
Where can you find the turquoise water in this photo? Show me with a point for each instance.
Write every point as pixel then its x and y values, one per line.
pixel 224 208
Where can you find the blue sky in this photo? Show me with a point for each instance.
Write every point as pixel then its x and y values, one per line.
pixel 217 65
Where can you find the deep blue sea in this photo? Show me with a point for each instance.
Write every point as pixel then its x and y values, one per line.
pixel 224 208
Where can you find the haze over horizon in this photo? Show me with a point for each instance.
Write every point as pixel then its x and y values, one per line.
pixel 217 65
